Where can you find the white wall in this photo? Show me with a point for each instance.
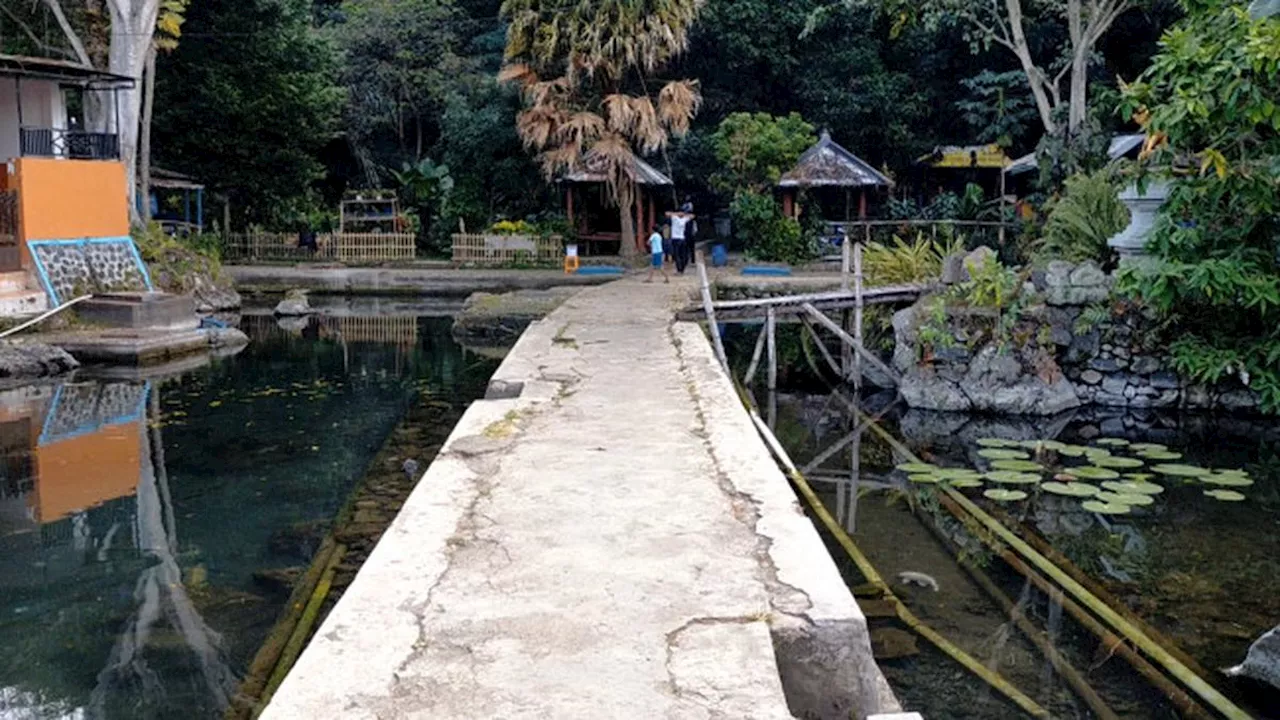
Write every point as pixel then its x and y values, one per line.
pixel 42 106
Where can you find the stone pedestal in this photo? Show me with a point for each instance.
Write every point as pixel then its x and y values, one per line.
pixel 140 310
pixel 1131 243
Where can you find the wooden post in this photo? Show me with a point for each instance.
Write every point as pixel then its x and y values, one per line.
pixel 844 263
pixel 862 205
pixel 710 308
pixel 857 312
pixel 641 234
pixel 1002 194
pixel 755 358
pixel 788 204
pixel 855 471
pixel 846 354
pixel 653 214
pixel 831 325
pixel 771 347
pixel 568 203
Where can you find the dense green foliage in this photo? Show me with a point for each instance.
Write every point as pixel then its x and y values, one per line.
pixel 1213 92
pixel 1082 220
pixel 247 103
pixel 767 234
pixel 755 149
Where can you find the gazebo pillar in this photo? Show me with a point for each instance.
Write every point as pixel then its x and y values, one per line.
pixel 653 214
pixel 862 205
pixel 568 204
pixel 788 203
pixel 641 234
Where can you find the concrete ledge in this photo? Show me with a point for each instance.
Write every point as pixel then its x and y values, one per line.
pixel 820 634
pixel 400 281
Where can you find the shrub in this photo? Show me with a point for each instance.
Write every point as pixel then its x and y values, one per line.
pixel 510 227
pixel 903 262
pixel 1082 220
pixel 767 234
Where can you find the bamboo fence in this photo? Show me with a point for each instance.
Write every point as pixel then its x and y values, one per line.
pixel 489 249
pixel 340 247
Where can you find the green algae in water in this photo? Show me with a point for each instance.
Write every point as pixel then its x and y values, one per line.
pixel 1012 478
pixel 1225 495
pixel 1105 508
pixel 1092 472
pixel 1074 489
pixel 1002 454
pixel 915 468
pixel 1112 461
pixel 1002 495
pixel 1132 487
pixel 1017 465
pixel 928 478
pixel 1181 470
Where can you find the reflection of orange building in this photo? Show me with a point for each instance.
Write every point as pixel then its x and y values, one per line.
pixel 71 449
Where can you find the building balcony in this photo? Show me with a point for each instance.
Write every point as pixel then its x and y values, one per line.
pixel 73 144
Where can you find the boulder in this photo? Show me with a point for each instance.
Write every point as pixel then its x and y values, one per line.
pixel 32 360
pixel 1087 274
pixel 226 338
pixel 211 298
pixel 926 390
pixel 1090 377
pixel 905 337
pixel 1144 365
pixel 294 304
pixel 978 259
pixel 1262 662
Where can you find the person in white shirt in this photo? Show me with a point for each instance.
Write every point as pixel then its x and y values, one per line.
pixel 681 242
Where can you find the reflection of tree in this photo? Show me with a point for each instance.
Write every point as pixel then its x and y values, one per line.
pixel 160 595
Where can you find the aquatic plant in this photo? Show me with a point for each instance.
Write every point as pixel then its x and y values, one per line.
pixel 1132 487
pixel 1113 461
pixel 1002 454
pixel 1073 489
pixel 1105 508
pixel 917 468
pixel 1226 495
pixel 1002 495
pixel 1017 465
pixel 1012 477
pixel 1181 470
pixel 1093 472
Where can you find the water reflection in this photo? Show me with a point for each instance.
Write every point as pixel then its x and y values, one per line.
pixel 136 511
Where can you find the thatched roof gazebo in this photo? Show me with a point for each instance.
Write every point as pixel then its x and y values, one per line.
pixel 828 165
pixel 586 203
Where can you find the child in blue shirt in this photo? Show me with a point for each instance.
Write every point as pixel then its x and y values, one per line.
pixel 656 256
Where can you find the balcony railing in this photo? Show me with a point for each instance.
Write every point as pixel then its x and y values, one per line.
pixel 73 144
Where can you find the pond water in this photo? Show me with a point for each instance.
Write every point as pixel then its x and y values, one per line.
pixel 1203 572
pixel 135 511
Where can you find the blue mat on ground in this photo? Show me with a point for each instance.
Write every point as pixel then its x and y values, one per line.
pixel 771 271
pixel 600 270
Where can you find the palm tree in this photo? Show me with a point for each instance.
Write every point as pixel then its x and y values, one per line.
pixel 583 67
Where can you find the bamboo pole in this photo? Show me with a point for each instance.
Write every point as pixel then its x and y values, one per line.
pixel 857 311
pixel 298 640
pixel 755 357
pixel 846 338
pixel 826 354
pixel 1015 614
pixel 844 263
pixel 709 307
pixel 873 578
pixel 1152 649
pixel 771 345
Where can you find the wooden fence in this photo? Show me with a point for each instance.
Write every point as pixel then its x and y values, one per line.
pixel 343 247
pixel 477 249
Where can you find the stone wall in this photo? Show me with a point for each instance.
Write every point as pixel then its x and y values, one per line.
pixel 95 266
pixel 1072 343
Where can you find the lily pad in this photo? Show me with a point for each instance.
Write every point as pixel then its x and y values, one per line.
pixel 1228 479
pixel 1105 508
pixel 1011 477
pixel 927 478
pixel 1181 470
pixel 956 473
pixel 996 442
pixel 1146 447
pixel 1132 487
pixel 918 468
pixel 1053 445
pixel 1127 498
pixel 1074 489
pixel 1113 461
pixel 1002 454
pixel 1112 442
pixel 1017 465
pixel 1071 450
pixel 1140 476
pixel 1227 495
pixel 1002 495
pixel 965 483
pixel 1092 472
pixel 1160 455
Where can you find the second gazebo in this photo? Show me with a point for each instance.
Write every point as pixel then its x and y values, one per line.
pixel 826 167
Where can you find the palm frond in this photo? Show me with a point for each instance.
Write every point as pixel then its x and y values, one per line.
pixel 678 102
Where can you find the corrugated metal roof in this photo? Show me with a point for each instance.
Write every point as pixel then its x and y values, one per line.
pixel 1121 145
pixel 829 165
pixel 51 69
pixel 646 174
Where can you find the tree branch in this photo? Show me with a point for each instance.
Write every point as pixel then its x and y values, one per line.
pixel 31 35
pixel 55 7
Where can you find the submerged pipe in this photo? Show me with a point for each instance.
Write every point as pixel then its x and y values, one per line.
pixel 868 571
pixel 1152 649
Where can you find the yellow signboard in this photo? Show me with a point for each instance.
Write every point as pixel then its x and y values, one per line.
pixel 979 156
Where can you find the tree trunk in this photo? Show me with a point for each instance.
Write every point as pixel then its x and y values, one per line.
pixel 1035 77
pixel 144 149
pixel 627 248
pixel 133 24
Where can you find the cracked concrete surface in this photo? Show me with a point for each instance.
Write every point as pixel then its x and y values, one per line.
pixel 606 537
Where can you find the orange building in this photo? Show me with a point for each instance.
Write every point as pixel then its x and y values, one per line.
pixel 63 186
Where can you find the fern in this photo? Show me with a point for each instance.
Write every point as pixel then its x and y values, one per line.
pixel 1082 221
pixel 901 262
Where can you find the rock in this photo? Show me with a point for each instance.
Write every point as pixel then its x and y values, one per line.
pixel 1061 325
pixel 953 271
pixel 1261 662
pixel 1084 347
pixel 1163 380
pixel 1195 396
pixel 211 298
pixel 20 359
pixel 1235 400
pixel 294 304
pixel 1112 427
pixel 1087 274
pixel 1091 377
pixel 1031 396
pixel 992 367
pixel 1058 274
pixel 905 339
pixel 1114 384
pixel 978 259
pixel 925 390
pixel 294 324
pixel 279 580
pixel 958 355
pixel 888 643
pixel 1131 392
pixel 1166 398
pixel 1145 365
pixel 1107 365
pixel 225 338
pixel 1121 352
pixel 1107 399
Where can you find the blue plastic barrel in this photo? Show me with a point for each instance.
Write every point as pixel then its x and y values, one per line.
pixel 719 255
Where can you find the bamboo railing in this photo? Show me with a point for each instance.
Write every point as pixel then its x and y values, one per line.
pixel 490 249
pixel 339 247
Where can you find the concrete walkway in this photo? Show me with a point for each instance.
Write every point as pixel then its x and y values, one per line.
pixel 606 537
